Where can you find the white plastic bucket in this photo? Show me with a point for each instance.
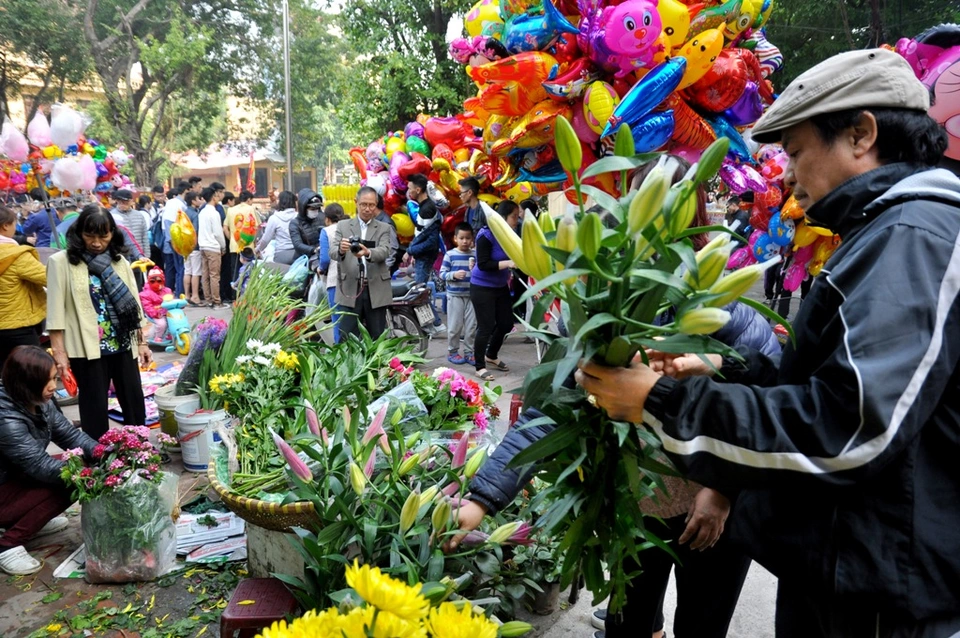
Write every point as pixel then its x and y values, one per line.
pixel 167 403
pixel 197 434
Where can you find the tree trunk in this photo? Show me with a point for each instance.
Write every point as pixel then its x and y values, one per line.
pixel 877 35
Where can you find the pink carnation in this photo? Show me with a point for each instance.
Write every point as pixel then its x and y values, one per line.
pixel 153 468
pixel 85 472
pixel 480 420
pixel 98 450
pixel 116 465
pixel 112 481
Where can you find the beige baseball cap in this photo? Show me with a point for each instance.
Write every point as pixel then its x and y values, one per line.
pixel 877 78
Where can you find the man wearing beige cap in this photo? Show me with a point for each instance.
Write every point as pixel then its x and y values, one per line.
pixel 846 451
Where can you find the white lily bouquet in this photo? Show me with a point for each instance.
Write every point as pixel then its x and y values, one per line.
pixel 623 289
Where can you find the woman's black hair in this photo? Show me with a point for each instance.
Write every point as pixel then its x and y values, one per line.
pixel 25 373
pixel 97 221
pixel 334 212
pixel 530 205
pixel 286 200
pixel 506 208
pixel 903 135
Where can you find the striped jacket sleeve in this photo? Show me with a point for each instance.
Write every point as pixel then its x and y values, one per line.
pixel 888 355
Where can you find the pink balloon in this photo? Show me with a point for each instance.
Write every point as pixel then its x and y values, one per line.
pixel 741 258
pixel 399 159
pixel 12 142
pixel 584 132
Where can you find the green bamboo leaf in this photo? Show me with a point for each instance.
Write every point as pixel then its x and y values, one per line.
pixel 566 367
pixel 698 230
pixel 575 315
pixel 557 441
pixel 612 164
pixel 575 464
pixel 329 534
pixel 771 315
pixel 660 277
pixel 683 344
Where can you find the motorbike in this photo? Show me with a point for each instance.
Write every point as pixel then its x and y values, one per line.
pixel 410 312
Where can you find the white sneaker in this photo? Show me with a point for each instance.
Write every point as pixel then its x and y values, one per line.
pixel 598 617
pixel 17 562
pixel 53 526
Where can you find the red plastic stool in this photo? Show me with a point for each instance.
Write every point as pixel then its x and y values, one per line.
pixel 271 602
pixel 516 404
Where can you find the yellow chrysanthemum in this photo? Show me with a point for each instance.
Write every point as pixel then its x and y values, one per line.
pixel 387 594
pixel 446 621
pixel 286 360
pixel 389 626
pixel 326 624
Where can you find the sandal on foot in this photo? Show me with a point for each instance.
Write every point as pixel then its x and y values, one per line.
pixel 485 375
pixel 456 359
pixel 497 365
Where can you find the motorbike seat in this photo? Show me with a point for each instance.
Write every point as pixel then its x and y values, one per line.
pixel 399 288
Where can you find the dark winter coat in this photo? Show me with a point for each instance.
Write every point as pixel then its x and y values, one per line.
pixel 495 485
pixel 24 438
pixel 305 232
pixel 846 451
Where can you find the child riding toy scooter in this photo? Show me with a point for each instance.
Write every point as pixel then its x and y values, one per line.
pixel 171 328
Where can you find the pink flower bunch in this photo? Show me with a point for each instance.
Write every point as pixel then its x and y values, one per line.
pixel 99 450
pixel 112 481
pixel 86 472
pixel 480 421
pixel 119 455
pixel 72 453
pixel 115 465
pixel 397 367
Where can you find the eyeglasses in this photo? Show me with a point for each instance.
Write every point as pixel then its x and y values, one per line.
pixel 464 194
pixel 366 205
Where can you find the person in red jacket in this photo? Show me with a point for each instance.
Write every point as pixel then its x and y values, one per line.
pixel 150 298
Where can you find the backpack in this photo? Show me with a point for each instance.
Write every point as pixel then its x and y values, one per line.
pixel 156 233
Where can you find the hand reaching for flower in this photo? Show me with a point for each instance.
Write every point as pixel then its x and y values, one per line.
pixel 682 366
pixel 470 514
pixel 622 392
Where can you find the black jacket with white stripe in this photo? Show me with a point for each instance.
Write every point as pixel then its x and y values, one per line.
pixel 848 452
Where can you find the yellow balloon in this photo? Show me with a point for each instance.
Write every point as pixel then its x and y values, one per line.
pixel 484 19
pixel 599 102
pixel 675 17
pixel 394 144
pixel 519 192
pixel 700 53
pixel 404 226
pixel 489 200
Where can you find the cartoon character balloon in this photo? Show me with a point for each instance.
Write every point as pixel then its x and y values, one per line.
pixel 620 38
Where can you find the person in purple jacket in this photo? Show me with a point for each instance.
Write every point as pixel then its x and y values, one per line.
pixel 490 295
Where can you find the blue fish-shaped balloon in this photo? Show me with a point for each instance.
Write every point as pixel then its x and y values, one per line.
pixel 536 32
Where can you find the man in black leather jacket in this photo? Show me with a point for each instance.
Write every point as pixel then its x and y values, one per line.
pixel 844 453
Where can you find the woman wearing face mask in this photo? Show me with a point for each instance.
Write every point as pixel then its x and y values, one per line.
pixel 95 320
pixel 305 228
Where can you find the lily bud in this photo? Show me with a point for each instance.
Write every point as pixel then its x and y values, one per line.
pixel 711 160
pixel 522 535
pixel 648 200
pixel 508 239
pixel 589 235
pixel 623 144
pixel 567 234
pixel 460 452
pixel 370 464
pixel 411 440
pixel 408 464
pixel 357 479
pixel 722 239
pixel 313 423
pixel 515 628
pixel 534 256
pixel 547 223
pixel 702 321
pixel 710 267
pixel 684 209
pixel 408 513
pixel 568 146
pixel 440 517
pixel 346 417
pixel 429 494
pixel 296 464
pixel 474 464
pixel 502 533
pixel 737 284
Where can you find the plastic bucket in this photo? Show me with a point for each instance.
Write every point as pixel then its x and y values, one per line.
pixel 197 434
pixel 167 403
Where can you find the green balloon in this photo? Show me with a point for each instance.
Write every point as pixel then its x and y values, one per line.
pixel 100 153
pixel 418 145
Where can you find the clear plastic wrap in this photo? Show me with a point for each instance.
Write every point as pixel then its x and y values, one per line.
pixel 130 534
pixel 404 396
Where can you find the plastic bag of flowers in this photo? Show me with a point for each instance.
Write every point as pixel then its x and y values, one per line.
pixel 127 506
pixel 383 606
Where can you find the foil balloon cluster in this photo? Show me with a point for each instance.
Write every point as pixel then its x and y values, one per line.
pixel 55 154
pixel 934 56
pixel 679 73
pixel 777 226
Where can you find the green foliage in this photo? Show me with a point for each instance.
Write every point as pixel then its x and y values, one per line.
pixel 40 36
pixel 809 32
pixel 404 69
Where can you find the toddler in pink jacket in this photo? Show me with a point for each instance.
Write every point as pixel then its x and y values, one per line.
pixel 150 298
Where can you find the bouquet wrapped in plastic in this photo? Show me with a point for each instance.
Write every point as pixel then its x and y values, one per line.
pixel 127 507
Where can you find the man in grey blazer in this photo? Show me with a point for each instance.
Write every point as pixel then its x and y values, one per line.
pixel 363 277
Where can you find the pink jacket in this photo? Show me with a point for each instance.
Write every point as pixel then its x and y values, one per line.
pixel 151 302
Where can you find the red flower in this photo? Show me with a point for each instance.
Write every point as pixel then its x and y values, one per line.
pixel 85 472
pixel 98 450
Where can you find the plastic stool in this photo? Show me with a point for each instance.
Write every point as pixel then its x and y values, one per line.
pixel 516 404
pixel 271 602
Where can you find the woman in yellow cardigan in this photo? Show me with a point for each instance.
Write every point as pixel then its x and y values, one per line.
pixel 23 303
pixel 95 320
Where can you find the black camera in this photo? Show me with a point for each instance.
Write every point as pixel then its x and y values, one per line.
pixel 354 245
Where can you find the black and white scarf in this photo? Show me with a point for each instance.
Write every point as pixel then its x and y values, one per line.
pixel 123 308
